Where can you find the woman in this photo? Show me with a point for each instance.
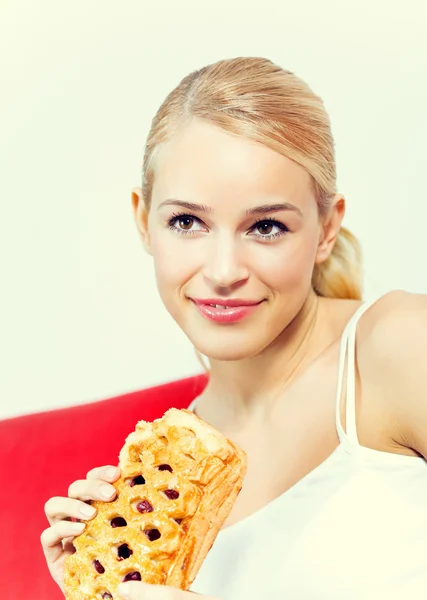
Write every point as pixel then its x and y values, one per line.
pixel 240 212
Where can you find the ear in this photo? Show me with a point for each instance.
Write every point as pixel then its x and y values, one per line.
pixel 330 226
pixel 140 213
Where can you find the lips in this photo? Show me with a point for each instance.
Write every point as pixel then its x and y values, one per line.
pixel 229 303
pixel 225 311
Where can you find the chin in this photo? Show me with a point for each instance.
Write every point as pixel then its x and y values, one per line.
pixel 231 342
pixel 225 354
pixel 229 347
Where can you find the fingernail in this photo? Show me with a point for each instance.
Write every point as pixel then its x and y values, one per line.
pixel 111 472
pixel 87 510
pixel 77 527
pixel 107 491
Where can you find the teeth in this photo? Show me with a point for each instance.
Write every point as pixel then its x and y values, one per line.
pixel 219 306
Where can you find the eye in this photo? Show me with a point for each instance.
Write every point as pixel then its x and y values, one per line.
pixel 184 224
pixel 265 227
pixel 270 229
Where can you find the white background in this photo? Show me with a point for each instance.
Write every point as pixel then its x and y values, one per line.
pixel 80 82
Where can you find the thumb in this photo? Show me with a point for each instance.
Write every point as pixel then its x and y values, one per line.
pixel 137 590
pixel 133 590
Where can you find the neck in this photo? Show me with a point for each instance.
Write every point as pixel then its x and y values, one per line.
pixel 241 392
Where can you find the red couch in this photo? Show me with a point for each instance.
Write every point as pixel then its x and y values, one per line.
pixel 41 454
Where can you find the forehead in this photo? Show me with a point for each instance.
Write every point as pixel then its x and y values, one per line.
pixel 206 162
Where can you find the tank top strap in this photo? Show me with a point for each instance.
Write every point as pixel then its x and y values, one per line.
pixel 347 358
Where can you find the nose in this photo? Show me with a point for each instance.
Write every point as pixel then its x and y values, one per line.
pixel 224 267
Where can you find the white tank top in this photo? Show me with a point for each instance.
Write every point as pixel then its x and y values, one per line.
pixel 354 528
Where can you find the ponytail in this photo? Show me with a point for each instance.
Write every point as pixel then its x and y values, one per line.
pixel 340 276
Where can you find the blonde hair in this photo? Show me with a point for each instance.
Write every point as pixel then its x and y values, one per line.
pixel 253 98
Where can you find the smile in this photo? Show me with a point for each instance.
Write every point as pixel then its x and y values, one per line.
pixel 233 312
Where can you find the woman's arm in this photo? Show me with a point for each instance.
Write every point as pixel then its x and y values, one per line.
pixel 396 363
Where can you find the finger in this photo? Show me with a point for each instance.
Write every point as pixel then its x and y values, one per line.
pixel 58 509
pixel 51 538
pixel 107 473
pixel 91 489
pixel 137 590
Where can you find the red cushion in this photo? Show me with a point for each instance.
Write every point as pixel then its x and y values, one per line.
pixel 41 454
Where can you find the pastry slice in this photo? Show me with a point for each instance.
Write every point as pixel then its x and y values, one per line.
pixel 179 480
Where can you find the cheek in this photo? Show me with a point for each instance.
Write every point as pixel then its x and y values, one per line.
pixel 290 264
pixel 174 264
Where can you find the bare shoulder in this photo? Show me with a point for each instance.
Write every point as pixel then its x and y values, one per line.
pixel 392 359
pixel 396 318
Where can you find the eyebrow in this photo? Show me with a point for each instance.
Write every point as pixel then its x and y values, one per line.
pixel 257 210
pixel 268 208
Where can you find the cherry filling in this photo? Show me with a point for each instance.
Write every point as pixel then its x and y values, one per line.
pixel 171 494
pixel 152 534
pixel 118 522
pixel 138 480
pixel 144 507
pixel 98 567
pixel 165 468
pixel 123 551
pixel 134 576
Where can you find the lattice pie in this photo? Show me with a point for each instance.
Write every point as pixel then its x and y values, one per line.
pixel 179 480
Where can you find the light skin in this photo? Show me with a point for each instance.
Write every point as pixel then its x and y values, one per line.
pixel 273 374
pixel 227 255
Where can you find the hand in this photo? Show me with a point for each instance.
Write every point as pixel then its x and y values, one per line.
pixel 57 539
pixel 135 590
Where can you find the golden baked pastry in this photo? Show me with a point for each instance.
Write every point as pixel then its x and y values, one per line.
pixel 179 480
